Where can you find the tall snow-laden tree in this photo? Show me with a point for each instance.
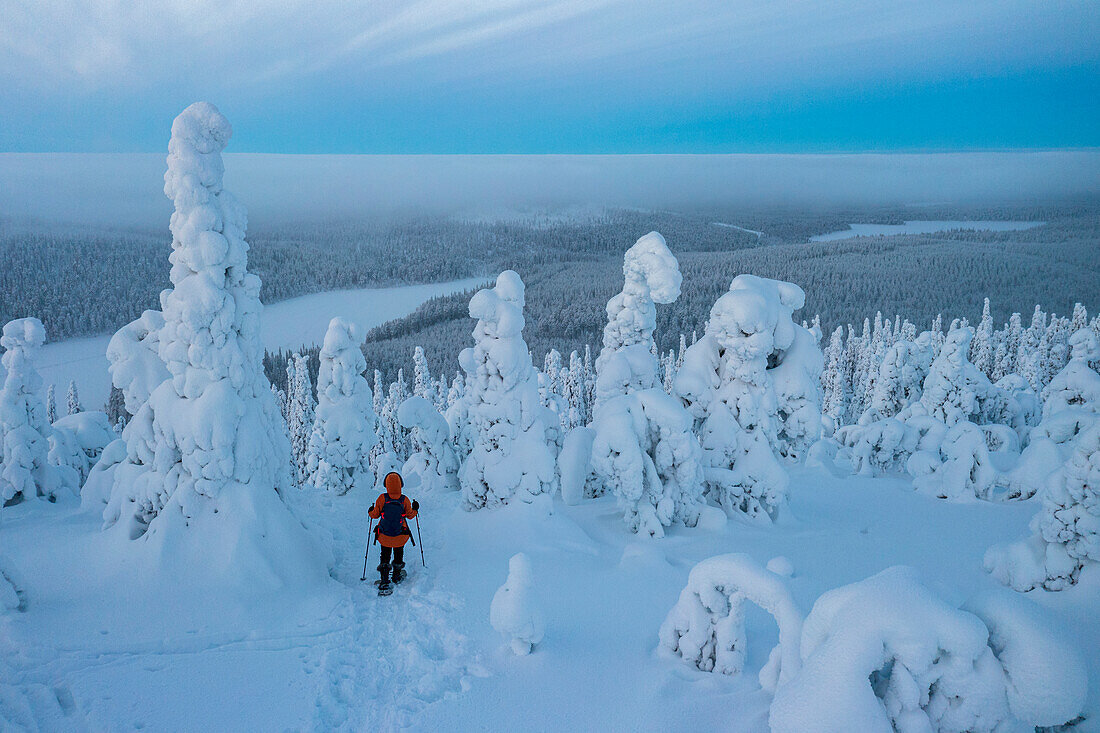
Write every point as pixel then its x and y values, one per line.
pixel 206 458
pixel 651 275
pixel 51 406
pixel 25 433
pixel 73 402
pixel 954 386
pixel 981 348
pixel 509 457
pixel 727 386
pixel 116 409
pixel 644 449
pixel 343 430
pixel 423 384
pixel 833 383
pixel 301 413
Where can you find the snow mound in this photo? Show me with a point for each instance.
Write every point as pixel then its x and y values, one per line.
pixel 514 611
pixel 886 654
pixel 706 627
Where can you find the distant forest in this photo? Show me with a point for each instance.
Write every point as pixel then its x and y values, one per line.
pixel 86 282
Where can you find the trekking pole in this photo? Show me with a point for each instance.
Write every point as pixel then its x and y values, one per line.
pixel 420 541
pixel 366 552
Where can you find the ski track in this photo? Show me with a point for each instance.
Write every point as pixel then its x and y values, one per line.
pixel 396 654
pixel 376 661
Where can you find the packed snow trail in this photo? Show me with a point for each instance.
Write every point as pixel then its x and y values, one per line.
pixel 396 654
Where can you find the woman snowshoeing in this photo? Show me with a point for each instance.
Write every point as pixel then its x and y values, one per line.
pixel 392 509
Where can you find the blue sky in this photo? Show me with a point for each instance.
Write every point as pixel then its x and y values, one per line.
pixel 557 76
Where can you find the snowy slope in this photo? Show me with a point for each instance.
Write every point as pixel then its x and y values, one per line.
pixel 287 324
pixel 93 652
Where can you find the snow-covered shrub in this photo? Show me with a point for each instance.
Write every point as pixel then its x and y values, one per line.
pixel 434 459
pixel 1027 404
pixel 509 456
pixel 885 654
pixel 628 360
pixel 96 491
pixel 646 454
pixel 957 468
pixel 878 447
pixel 26 470
pixel 727 384
pixel 706 627
pixel 515 611
pixel 91 433
pixel 343 429
pixel 1066 529
pixel 578 480
pixel 206 454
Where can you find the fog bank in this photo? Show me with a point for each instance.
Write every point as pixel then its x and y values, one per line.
pixel 125 189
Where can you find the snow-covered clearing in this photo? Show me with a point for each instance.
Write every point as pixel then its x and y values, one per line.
pixel 95 648
pixel 288 324
pixel 924 227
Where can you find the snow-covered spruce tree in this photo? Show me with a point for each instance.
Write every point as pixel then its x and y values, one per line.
pixel 509 456
pixel 981 348
pixel 954 386
pixel 423 384
pixel 207 456
pixel 433 457
pixel 73 402
pixel 833 384
pixel 904 368
pixel 116 409
pixel 1071 405
pixel 1076 386
pixel 51 406
pixel 1066 531
pixel 301 413
pixel 643 448
pixel 727 385
pixel 25 434
pixel 343 430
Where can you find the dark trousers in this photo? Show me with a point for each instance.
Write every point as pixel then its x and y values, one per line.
pixel 398 554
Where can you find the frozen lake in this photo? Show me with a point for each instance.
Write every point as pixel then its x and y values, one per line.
pixel 924 227
pixel 287 324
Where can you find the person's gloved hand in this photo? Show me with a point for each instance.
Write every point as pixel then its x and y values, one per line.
pixel 416 505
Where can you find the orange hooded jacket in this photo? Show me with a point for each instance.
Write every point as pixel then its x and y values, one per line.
pixel 393 484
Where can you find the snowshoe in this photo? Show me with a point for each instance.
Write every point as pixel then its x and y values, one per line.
pixel 399 573
pixel 385 588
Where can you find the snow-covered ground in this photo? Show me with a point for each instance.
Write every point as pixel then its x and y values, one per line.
pixel 98 647
pixel 924 227
pixel 288 324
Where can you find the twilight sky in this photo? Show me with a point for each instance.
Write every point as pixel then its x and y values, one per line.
pixel 553 76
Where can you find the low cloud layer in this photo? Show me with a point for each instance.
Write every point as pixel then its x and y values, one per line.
pixel 125 190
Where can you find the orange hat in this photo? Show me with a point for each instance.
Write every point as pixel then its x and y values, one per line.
pixel 393 483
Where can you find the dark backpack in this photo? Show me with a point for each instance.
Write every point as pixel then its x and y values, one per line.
pixel 392 522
